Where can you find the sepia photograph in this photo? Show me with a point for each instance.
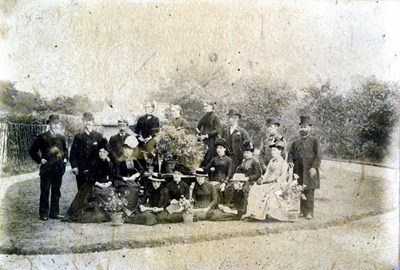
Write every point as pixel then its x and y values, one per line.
pixel 147 134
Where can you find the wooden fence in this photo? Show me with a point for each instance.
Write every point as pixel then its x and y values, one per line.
pixel 15 141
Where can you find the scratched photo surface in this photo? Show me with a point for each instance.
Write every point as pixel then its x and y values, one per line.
pixel 335 61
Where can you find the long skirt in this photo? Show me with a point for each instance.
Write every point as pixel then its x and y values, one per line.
pixel 89 205
pixel 265 200
pixel 130 191
pixel 145 218
pixel 218 215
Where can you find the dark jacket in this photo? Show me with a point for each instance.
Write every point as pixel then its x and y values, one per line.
pixel 155 197
pixel 117 146
pixel 223 169
pixel 236 199
pixel 53 148
pixel 209 124
pixel 126 168
pixel 205 195
pixel 101 171
pixel 251 168
pixel 235 143
pixel 176 191
pixel 305 153
pixel 147 125
pixel 84 150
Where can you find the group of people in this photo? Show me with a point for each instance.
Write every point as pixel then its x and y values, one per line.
pixel 231 183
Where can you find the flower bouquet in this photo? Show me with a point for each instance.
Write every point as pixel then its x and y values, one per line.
pixel 116 205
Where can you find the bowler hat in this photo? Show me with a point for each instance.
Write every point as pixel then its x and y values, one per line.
pixel 305 120
pixel 234 111
pixel 272 121
pixel 156 177
pixel 240 177
pixel 200 172
pixel 88 116
pixel 53 118
pixel 248 146
pixel 131 142
pixel 222 142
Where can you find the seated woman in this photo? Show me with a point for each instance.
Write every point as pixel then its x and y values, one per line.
pixel 89 204
pixel 233 203
pixel 176 190
pixel 220 167
pixel 250 165
pixel 264 198
pixel 204 195
pixel 127 175
pixel 154 201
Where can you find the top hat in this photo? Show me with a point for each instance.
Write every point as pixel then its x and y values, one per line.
pixel 240 177
pixel 131 142
pixel 234 112
pixel 156 177
pixel 88 116
pixel 200 172
pixel 272 121
pixel 122 120
pixel 248 146
pixel 53 118
pixel 305 120
pixel 222 142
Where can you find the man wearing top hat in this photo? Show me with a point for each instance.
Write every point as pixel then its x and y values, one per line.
pixel 84 149
pixel 52 159
pixel 305 158
pixel 272 134
pixel 117 141
pixel 233 203
pixel 234 137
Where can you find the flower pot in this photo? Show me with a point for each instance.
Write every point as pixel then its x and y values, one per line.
pixel 116 219
pixel 187 217
pixel 169 166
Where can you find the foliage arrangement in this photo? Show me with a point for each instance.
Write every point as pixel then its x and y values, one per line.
pixel 176 144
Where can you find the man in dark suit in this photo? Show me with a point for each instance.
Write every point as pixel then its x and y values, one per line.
pixel 117 141
pixel 234 137
pixel 146 129
pixel 305 158
pixel 52 159
pixel 84 149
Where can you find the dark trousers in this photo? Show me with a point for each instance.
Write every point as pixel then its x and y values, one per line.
pixel 80 180
pixel 307 206
pixel 51 180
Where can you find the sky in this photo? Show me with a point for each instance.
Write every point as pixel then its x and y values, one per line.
pixel 125 49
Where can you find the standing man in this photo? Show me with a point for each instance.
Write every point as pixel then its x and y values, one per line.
pixel 84 149
pixel 117 141
pixel 52 159
pixel 207 131
pixel 234 137
pixel 272 135
pixel 305 158
pixel 146 128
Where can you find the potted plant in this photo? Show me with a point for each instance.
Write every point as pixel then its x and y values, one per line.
pixel 116 204
pixel 175 145
pixel 187 210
